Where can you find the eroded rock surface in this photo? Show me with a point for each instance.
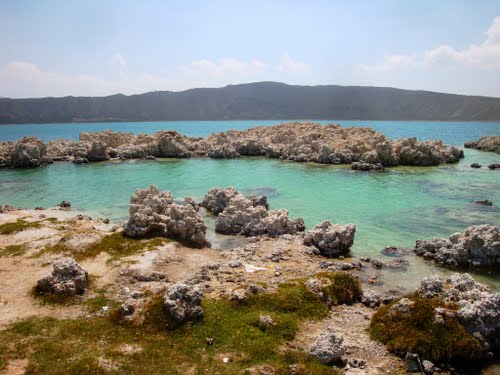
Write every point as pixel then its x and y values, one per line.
pixel 332 240
pixel 154 213
pixel 479 308
pixel 478 246
pixel 490 143
pixel 328 347
pixel 67 279
pixel 182 302
pixel 248 215
pixel 298 141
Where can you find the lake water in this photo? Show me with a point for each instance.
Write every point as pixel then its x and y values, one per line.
pixel 395 207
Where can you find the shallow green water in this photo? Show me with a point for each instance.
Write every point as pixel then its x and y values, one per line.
pixel 395 207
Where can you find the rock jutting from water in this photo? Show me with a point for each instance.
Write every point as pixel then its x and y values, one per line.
pixel 478 246
pixel 297 141
pixel 154 213
pixel 332 240
pixel 248 215
pixel 490 143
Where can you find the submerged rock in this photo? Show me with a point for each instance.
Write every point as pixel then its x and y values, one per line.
pixel 478 246
pixel 154 213
pixel 67 279
pixel 485 202
pixel 475 165
pixel 328 347
pixel 331 239
pixel 182 303
pixel 363 166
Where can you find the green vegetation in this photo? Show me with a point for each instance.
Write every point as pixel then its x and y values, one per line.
pixel 12 251
pixel 418 332
pixel 82 345
pixel 18 226
pixel 116 245
pixel 344 287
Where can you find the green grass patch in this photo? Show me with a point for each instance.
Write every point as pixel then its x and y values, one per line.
pixel 18 226
pixel 116 245
pixel 418 332
pixel 74 346
pixel 13 251
pixel 344 287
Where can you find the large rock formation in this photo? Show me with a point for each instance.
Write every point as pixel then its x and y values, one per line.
pixel 332 240
pixel 154 213
pixel 478 246
pixel 182 303
pixel 491 143
pixel 298 141
pixel 249 215
pixel 28 152
pixel 66 279
pixel 478 308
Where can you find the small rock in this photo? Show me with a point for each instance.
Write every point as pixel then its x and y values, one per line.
pixel 328 347
pixel 475 165
pixel 428 367
pixel 235 264
pixel 412 362
pixel 370 299
pixel 65 204
pixel 485 202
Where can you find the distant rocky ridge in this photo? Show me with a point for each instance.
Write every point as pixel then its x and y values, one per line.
pixel 297 141
pixel 252 101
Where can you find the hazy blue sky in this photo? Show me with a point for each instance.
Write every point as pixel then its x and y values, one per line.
pixel 96 47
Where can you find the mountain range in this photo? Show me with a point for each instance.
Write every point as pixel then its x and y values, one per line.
pixel 255 101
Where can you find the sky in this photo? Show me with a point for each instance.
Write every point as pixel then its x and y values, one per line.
pixel 96 48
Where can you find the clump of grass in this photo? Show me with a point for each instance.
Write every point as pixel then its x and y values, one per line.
pixel 13 251
pixel 73 346
pixel 116 245
pixel 18 226
pixel 344 287
pixel 418 332
pixel 95 304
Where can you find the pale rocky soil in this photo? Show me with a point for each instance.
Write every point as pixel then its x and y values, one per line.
pixel 269 261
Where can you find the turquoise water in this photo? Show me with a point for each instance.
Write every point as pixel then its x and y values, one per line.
pixel 455 133
pixel 395 207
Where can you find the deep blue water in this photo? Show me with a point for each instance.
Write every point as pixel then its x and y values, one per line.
pixel 455 133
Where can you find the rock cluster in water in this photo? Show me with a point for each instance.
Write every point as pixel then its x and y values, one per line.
pixel 154 213
pixel 67 279
pixel 478 308
pixel 248 215
pixel 490 143
pixel 298 141
pixel 478 246
pixel 332 240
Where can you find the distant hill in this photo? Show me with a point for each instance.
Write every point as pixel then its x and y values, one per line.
pixel 254 101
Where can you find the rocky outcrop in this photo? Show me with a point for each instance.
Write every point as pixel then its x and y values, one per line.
pixel 332 240
pixel 26 153
pixel 248 216
pixel 478 246
pixel 154 213
pixel 491 143
pixel 298 141
pixel 478 308
pixel 182 303
pixel 67 279
pixel 328 347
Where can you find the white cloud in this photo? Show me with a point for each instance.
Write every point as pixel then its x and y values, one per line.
pixel 223 67
pixel 289 64
pixel 485 55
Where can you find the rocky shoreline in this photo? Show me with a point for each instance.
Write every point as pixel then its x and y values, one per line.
pixel 135 271
pixel 490 143
pixel 364 148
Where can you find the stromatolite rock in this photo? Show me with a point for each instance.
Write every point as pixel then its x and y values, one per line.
pixel 478 246
pixel 67 279
pixel 154 213
pixel 478 308
pixel 29 152
pixel 328 347
pixel 97 152
pixel 364 166
pixel 170 145
pixel 489 143
pixel 248 215
pixel 412 152
pixel 226 151
pixel 370 298
pixel 182 303
pixel 331 239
